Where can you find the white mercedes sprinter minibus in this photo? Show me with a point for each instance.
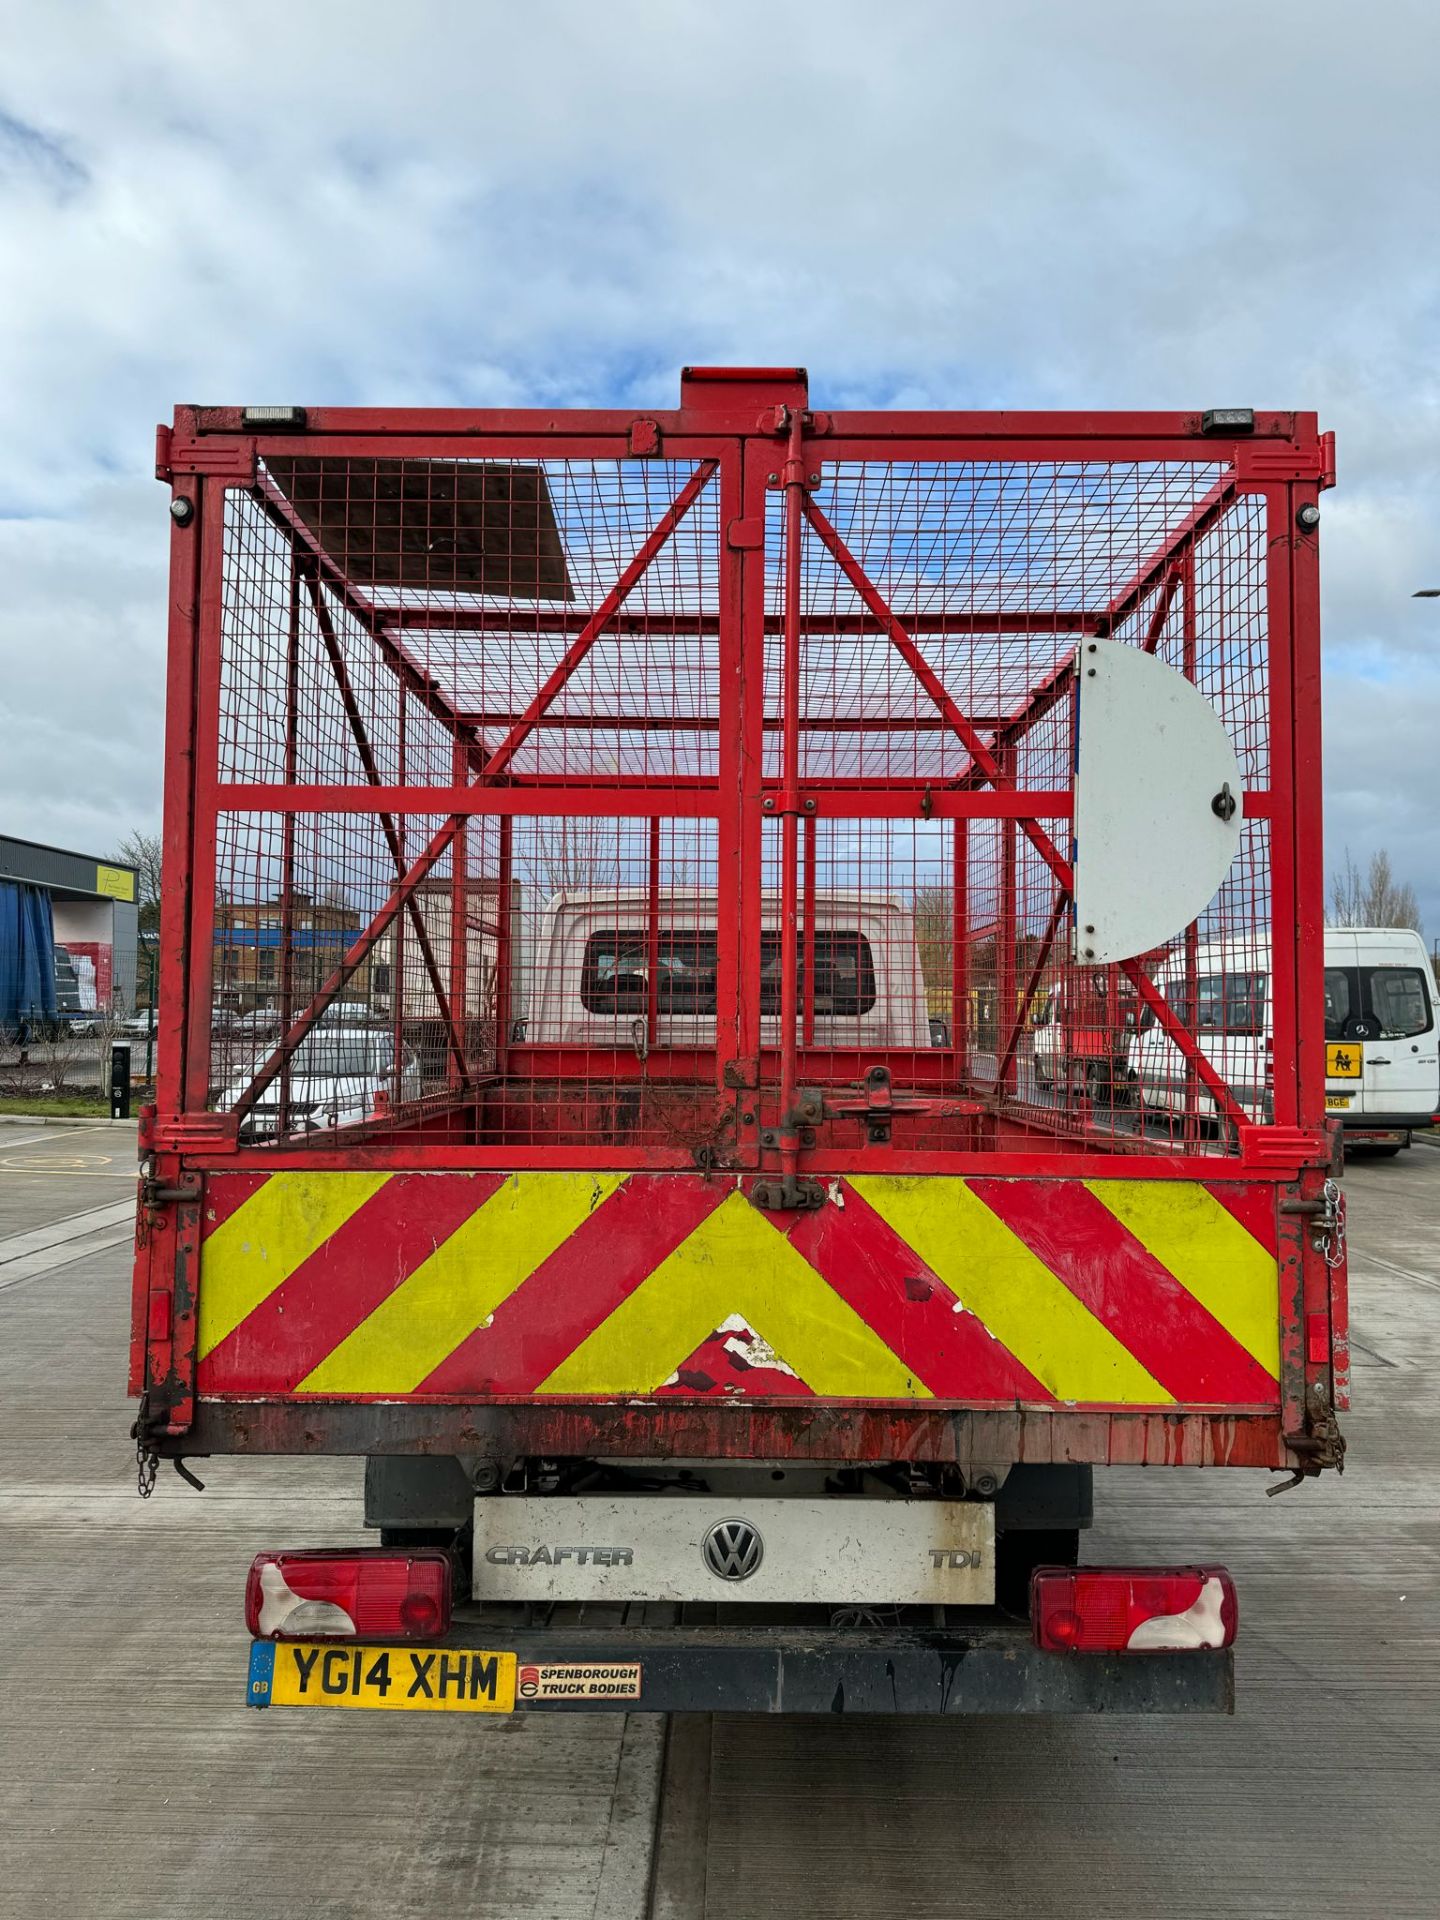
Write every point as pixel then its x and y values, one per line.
pixel 1382 1047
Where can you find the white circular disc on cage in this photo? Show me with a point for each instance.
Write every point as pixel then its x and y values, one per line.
pixel 1157 803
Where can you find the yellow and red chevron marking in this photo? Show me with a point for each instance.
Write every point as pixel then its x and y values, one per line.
pixel 1144 1293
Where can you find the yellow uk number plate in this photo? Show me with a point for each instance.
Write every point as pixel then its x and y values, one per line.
pixel 1333 1101
pixel 331 1673
pixel 1344 1060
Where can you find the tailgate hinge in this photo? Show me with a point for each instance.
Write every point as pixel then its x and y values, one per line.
pixel 1321 1445
pixel 788 1193
pixel 154 1194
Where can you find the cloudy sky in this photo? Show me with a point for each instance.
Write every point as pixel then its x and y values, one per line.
pixel 929 205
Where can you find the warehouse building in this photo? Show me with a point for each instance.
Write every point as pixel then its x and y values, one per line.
pixel 68 928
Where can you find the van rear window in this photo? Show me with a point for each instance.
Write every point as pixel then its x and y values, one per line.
pixel 844 974
pixel 1399 1001
pixel 615 971
pixel 1377 1003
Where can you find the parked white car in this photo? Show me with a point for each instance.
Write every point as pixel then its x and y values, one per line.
pixel 337 1076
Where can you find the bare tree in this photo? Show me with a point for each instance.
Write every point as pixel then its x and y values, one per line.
pixel 562 854
pixel 142 851
pixel 934 936
pixel 1374 898
pixel 570 854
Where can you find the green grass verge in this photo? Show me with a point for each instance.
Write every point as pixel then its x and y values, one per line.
pixel 64 1106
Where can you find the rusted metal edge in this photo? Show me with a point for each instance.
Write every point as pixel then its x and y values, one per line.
pixel 665 1430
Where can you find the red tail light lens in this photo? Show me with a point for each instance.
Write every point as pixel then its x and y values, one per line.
pixel 369 1594
pixel 1132 1609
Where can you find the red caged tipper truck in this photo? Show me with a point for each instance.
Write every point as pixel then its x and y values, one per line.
pixel 612 860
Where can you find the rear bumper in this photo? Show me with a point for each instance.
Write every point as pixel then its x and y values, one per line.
pixel 989 1669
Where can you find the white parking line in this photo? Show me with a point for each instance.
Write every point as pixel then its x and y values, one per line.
pixel 36 1139
pixel 67 1170
pixel 40 1250
pixel 74 1226
pixel 32 1265
pixel 1368 1259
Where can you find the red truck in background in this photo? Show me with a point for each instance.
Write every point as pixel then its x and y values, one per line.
pixel 1082 1027
pixel 594 817
pixel 1081 1034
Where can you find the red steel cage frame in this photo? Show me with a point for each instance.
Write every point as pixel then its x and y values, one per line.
pixel 750 435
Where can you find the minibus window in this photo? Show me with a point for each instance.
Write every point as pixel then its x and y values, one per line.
pixel 1231 1003
pixel 1180 1002
pixel 1399 1001
pixel 1339 1002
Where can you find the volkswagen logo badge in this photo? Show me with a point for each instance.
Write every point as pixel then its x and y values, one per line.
pixel 732 1549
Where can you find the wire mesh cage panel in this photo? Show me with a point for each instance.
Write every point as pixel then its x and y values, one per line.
pixel 709 799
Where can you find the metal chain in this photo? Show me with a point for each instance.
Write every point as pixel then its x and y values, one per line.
pixel 147 1460
pixel 1330 1239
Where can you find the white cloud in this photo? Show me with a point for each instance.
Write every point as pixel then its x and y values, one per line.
pixel 939 204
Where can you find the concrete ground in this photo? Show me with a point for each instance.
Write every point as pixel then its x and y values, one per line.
pixel 133 1782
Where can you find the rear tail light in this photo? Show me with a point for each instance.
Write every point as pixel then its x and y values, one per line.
pixel 1132 1609
pixel 329 1594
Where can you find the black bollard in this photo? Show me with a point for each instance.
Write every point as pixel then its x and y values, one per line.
pixel 120 1080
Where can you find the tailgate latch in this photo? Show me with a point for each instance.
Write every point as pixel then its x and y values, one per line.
pixel 154 1194
pixel 879 1107
pixel 1327 1221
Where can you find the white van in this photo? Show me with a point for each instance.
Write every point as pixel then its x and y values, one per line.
pixel 1381 1041
pixel 591 973
pixel 1232 1018
pixel 1382 1047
